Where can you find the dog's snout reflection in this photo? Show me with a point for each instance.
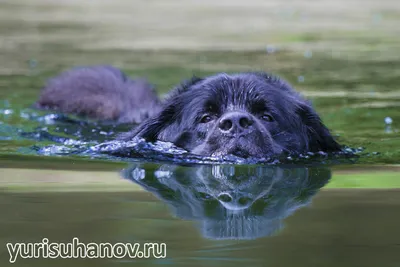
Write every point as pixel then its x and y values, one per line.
pixel 232 201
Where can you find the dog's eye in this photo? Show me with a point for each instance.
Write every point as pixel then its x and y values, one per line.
pixel 203 196
pixel 205 118
pixel 266 117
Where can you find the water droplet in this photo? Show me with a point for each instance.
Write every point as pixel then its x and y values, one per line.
pixel 322 153
pixel 32 63
pixel 24 115
pixel 8 111
pixel 162 174
pixel 388 123
pixel 138 173
pixel 372 92
pixel 388 120
pixel 271 49
pixel 308 54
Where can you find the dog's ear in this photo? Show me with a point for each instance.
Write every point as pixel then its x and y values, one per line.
pixel 184 86
pixel 319 137
pixel 151 128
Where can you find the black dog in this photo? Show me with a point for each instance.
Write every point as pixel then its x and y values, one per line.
pixel 249 114
pixel 100 92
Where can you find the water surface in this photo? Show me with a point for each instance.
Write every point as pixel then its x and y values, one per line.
pixel 208 215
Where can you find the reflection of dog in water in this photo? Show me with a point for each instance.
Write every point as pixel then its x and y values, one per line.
pixel 231 201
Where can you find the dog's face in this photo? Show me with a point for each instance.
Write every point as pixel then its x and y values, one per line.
pixel 246 114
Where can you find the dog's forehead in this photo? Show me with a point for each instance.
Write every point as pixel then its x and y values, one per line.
pixel 238 89
pixel 234 83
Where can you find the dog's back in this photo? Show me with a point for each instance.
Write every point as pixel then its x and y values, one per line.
pixel 100 92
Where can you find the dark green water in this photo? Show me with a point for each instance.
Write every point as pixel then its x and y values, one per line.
pixel 219 215
pixel 342 227
pixel 356 113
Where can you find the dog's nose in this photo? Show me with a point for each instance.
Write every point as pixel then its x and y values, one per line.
pixel 235 123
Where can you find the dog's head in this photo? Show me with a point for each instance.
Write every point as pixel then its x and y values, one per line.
pixel 245 114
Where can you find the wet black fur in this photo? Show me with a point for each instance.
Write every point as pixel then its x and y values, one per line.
pixel 282 120
pixel 296 127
